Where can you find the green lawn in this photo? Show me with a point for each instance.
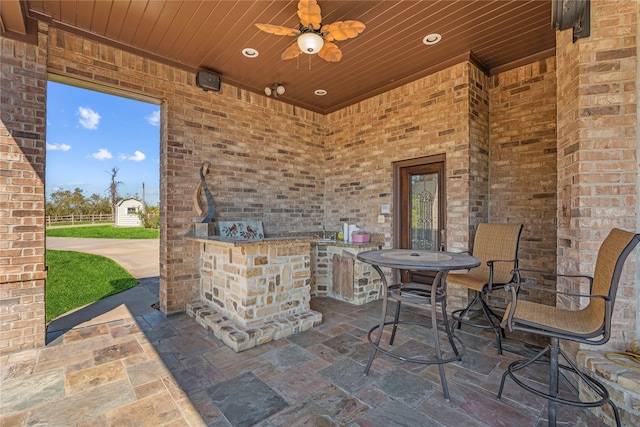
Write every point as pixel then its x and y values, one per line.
pixel 76 279
pixel 105 232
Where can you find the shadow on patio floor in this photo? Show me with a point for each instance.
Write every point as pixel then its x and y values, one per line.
pixel 150 370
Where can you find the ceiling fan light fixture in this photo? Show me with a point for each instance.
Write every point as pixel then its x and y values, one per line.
pixel 310 42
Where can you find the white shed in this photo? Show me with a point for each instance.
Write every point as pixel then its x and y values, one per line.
pixel 127 213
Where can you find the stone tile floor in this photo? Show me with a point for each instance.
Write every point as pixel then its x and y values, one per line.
pixel 156 371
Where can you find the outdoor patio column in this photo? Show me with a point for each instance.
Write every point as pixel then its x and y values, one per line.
pixel 23 83
pixel 598 150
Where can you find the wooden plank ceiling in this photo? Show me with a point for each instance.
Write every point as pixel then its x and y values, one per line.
pixel 210 35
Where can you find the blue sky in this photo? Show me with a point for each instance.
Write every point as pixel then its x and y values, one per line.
pixel 89 132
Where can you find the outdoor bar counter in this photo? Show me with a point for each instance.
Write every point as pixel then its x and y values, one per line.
pixel 256 291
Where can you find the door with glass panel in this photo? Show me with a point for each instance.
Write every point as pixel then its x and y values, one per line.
pixel 419 205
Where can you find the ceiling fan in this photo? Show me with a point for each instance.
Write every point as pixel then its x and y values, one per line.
pixel 312 36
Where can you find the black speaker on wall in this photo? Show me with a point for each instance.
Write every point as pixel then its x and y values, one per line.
pixel 207 81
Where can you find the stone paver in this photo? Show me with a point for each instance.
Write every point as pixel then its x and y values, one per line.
pixel 151 370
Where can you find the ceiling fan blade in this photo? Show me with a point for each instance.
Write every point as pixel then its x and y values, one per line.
pixel 309 14
pixel 330 52
pixel 277 30
pixel 291 52
pixel 342 30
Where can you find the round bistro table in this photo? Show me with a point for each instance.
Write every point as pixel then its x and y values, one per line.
pixel 417 293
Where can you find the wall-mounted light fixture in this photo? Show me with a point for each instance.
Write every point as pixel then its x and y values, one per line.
pixel 275 89
pixel 575 14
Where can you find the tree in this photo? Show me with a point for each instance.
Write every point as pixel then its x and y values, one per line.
pixel 98 205
pixel 113 188
pixel 65 202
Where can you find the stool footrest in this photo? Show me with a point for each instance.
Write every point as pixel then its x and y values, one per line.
pixel 594 385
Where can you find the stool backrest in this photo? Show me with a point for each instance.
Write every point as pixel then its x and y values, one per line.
pixel 496 242
pixel 611 258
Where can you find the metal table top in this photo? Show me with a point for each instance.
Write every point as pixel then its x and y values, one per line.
pixel 414 259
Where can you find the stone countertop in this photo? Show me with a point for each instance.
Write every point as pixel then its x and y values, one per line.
pixel 276 240
pixel 244 242
pixel 316 242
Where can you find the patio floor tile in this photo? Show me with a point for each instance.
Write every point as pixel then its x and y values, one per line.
pixel 156 409
pixel 297 384
pixel 242 408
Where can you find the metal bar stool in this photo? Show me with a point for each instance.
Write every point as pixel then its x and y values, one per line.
pixel 589 325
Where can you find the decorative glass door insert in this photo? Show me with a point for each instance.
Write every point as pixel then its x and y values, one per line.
pixel 424 211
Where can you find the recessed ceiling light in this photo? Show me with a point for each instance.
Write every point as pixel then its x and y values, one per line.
pixel 320 92
pixel 432 39
pixel 250 52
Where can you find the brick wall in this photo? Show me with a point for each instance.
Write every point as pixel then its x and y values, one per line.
pixel 479 151
pixel 523 164
pixel 426 117
pixel 597 150
pixel 491 129
pixel 23 82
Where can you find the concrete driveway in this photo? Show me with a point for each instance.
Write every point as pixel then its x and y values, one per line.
pixel 140 257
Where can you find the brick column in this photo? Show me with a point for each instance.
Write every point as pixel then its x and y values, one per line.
pixel 598 150
pixel 23 83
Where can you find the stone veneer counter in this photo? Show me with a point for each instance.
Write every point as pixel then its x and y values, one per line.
pixel 254 291
pixel 336 272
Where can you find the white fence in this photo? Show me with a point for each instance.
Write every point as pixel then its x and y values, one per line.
pixel 79 219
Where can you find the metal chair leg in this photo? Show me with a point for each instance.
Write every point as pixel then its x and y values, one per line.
pixel 458 316
pixel 517 365
pixel 496 328
pixel 462 313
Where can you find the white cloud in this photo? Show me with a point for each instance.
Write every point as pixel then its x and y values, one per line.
pixel 89 119
pixel 154 118
pixel 138 156
pixel 58 147
pixel 102 154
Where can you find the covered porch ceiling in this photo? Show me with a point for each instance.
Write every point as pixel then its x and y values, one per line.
pixel 211 35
